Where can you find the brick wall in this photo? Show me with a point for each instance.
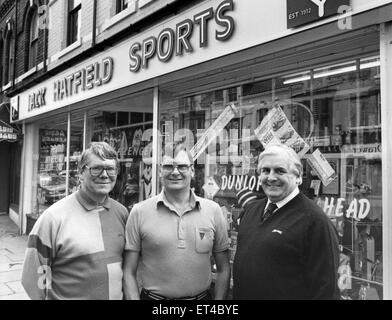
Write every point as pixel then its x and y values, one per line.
pixel 21 31
pixel 87 18
pixel 57 25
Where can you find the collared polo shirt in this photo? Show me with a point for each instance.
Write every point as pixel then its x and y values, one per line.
pixel 78 244
pixel 176 249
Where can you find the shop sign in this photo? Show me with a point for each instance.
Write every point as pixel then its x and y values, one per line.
pixel 238 182
pixel 362 148
pixel 37 99
pixel 300 12
pixel 358 209
pixel 208 31
pixel 14 102
pixel 7 133
pixel 94 75
pixel 177 41
pixel 322 141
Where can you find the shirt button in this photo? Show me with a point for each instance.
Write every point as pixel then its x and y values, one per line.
pixel 181 244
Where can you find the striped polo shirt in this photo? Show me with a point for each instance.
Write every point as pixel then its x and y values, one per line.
pixel 75 250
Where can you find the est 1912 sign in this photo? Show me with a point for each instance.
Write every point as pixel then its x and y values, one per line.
pixel 300 12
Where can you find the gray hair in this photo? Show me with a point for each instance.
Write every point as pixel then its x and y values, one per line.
pixel 172 149
pixel 292 156
pixel 100 149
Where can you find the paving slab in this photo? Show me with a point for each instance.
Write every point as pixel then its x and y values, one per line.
pixel 5 290
pixel 11 266
pixel 4 259
pixel 8 276
pixel 16 257
pixel 15 286
pixel 16 296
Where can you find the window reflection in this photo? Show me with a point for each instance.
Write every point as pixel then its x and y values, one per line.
pixel 336 109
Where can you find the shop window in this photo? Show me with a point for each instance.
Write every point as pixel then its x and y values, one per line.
pixel 232 94
pixel 74 21
pixel 148 116
pixel 52 169
pixel 130 134
pixel 32 43
pixel 121 5
pixel 336 110
pixel 136 117
pixel 75 151
pixel 122 118
pixel 255 88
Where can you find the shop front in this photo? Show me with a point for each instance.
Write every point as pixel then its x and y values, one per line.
pixel 215 80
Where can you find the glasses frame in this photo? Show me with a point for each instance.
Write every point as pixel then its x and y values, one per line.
pixel 175 166
pixel 102 170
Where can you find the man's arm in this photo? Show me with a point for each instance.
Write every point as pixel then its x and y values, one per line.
pixel 323 260
pixel 222 274
pixel 37 273
pixel 130 286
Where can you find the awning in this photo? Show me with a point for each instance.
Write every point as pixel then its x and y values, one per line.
pixel 7 132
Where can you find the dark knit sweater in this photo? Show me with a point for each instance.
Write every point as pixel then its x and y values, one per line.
pixel 292 255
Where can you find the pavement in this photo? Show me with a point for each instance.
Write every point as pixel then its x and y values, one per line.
pixel 12 250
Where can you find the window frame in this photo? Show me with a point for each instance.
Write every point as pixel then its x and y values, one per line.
pixel 33 36
pixel 73 21
pixel 8 57
pixel 121 5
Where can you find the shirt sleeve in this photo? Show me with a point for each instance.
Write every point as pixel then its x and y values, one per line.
pixel 132 231
pixel 322 260
pixel 221 239
pixel 40 253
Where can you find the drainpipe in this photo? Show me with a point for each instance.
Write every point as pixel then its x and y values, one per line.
pixel 46 37
pixel 94 23
pixel 15 32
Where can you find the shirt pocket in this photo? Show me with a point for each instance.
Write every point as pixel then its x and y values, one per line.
pixel 204 239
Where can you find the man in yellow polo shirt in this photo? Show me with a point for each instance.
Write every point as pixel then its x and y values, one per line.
pixel 170 239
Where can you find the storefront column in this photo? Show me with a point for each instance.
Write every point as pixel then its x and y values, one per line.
pixel 67 154
pixel 155 142
pixel 29 182
pixel 22 183
pixel 84 130
pixel 386 120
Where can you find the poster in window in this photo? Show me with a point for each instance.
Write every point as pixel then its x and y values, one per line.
pixel 333 187
pixel 145 181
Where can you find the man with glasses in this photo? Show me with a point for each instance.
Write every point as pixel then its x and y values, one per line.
pixel 170 239
pixel 75 248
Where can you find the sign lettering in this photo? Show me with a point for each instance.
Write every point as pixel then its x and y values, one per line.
pixel 94 75
pixel 300 12
pixel 178 39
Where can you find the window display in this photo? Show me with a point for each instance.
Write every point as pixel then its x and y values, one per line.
pixel 52 174
pixel 130 134
pixel 330 114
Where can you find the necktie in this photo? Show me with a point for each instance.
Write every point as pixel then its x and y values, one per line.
pixel 270 209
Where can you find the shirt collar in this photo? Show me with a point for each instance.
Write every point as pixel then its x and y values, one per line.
pixel 88 203
pixel 193 201
pixel 286 200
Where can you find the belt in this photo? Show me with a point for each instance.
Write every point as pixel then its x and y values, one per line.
pixel 156 296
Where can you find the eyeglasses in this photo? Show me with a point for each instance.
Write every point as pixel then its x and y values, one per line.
pixel 183 168
pixel 97 171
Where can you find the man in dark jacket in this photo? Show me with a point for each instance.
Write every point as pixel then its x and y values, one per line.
pixel 287 247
